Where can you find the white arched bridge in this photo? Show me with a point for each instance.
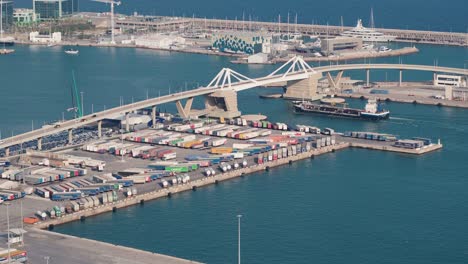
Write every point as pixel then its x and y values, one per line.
pixel 221 95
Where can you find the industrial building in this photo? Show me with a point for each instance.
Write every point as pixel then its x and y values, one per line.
pixel 23 16
pixel 6 8
pixel 54 9
pixel 242 42
pixel 332 45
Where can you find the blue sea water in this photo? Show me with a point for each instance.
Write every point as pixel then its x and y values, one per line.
pixel 352 206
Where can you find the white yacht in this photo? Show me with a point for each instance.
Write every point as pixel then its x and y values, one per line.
pixel 366 34
pixel 72 52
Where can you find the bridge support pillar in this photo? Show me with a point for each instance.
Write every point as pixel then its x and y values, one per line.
pixel 401 78
pixel 367 77
pixel 184 111
pixel 153 116
pixel 334 83
pixel 127 123
pixel 434 78
pixel 7 152
pixel 303 89
pixel 70 136
pixel 99 128
pixel 39 143
pixel 222 103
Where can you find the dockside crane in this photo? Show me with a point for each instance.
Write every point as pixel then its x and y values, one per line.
pixel 112 3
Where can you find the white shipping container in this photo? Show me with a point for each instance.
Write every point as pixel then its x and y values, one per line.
pixel 169 156
pixel 293 133
pixel 241 146
pixel 265 133
pixel 238 155
pixel 218 142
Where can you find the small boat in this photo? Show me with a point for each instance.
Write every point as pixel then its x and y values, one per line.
pixel 51 44
pixel 6 51
pixel 72 51
pixel 384 49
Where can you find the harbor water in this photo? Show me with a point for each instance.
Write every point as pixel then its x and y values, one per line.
pixel 352 206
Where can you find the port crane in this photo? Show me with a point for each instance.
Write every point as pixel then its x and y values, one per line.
pixel 112 3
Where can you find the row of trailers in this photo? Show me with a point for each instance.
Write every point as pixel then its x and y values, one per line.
pixel 77 205
pixel 75 190
pixel 10 195
pixel 293 150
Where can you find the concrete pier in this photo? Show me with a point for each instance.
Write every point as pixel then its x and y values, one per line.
pixel 70 136
pixel 127 123
pixel 74 250
pixel 401 78
pixel 367 77
pixel 39 143
pixel 188 186
pixel 99 125
pixel 153 116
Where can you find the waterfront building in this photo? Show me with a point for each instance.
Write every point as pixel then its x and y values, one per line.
pixel 449 80
pixel 54 9
pixel 161 41
pixel 23 16
pixel 7 14
pixel 242 42
pixel 55 37
pixel 332 45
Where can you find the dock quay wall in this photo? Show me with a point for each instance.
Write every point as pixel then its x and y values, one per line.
pixel 192 185
pixel 420 151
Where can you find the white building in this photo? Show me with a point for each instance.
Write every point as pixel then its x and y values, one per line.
pixel 160 41
pixel 24 16
pixel 449 80
pixel 35 37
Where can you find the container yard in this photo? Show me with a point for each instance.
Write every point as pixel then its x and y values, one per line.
pixel 106 174
pixel 151 163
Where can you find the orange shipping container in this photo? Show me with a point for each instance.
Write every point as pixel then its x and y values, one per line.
pixel 30 220
pixel 189 144
pixel 221 150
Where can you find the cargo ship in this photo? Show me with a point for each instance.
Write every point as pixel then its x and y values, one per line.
pixel 372 111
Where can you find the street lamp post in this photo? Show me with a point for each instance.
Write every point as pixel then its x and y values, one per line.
pixel 8 230
pixel 238 239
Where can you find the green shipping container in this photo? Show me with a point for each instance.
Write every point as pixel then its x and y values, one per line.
pixel 177 169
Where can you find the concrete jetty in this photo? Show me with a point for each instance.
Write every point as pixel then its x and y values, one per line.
pixel 60 248
pixel 184 187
